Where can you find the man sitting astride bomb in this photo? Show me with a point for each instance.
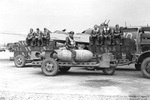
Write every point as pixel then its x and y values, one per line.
pixel 107 35
pixel 117 35
pixel 38 38
pixel 71 45
pixel 30 37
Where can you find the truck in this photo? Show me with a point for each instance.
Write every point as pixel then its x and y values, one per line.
pixel 139 48
pixel 134 50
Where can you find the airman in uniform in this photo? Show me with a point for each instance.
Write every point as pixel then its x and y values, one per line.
pixel 71 45
pixel 30 38
pixel 107 35
pixel 117 35
pixel 93 39
pixel 38 37
pixel 46 37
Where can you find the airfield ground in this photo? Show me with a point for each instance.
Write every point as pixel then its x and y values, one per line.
pixel 30 83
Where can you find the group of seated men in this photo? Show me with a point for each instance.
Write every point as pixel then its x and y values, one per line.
pixel 38 38
pixel 104 35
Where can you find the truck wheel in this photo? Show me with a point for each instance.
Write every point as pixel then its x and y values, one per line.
pixel 145 67
pixel 64 69
pixel 138 67
pixel 19 61
pixel 109 71
pixel 49 67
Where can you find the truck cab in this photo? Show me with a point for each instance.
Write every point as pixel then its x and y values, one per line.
pixel 135 49
pixel 143 51
pixel 140 37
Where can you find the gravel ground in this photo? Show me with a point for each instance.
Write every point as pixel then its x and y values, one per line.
pixel 29 83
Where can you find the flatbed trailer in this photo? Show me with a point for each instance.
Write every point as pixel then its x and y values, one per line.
pixel 24 54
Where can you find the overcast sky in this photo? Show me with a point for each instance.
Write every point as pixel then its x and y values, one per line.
pixel 77 15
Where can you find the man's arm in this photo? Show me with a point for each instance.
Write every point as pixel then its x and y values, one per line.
pixel 29 36
pixel 48 34
pixel 41 34
pixel 93 33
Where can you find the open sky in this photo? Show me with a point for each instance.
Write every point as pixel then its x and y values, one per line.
pixel 20 15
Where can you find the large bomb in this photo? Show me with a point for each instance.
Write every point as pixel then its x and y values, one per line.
pixel 81 55
pixel 66 55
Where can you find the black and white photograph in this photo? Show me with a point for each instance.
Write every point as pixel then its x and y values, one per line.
pixel 74 49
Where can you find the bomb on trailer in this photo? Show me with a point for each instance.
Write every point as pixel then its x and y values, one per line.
pixel 52 59
pixel 59 60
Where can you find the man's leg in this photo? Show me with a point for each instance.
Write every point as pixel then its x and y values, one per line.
pixel 104 40
pixel 31 42
pixel 47 41
pixel 113 39
pixel 117 40
pixel 109 39
pixel 27 41
pixel 101 40
pixel 73 52
pixel 91 42
pixel 39 42
pixel 42 41
pixel 36 41
pixel 120 38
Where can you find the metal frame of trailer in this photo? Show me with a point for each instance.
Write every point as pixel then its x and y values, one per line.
pixel 24 54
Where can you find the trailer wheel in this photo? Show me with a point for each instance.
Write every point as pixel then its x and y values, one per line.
pixel 64 69
pixel 49 67
pixel 145 67
pixel 19 61
pixel 138 67
pixel 109 71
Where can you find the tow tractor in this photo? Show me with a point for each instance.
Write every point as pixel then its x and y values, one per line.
pixel 135 49
pixel 138 52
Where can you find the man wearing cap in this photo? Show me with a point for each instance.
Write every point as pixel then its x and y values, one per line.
pixel 30 37
pixel 93 39
pixel 38 37
pixel 117 35
pixel 107 35
pixel 46 37
pixel 71 45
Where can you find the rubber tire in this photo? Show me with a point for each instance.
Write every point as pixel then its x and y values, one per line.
pixel 56 68
pixel 143 68
pixel 64 69
pixel 23 61
pixel 138 67
pixel 109 71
